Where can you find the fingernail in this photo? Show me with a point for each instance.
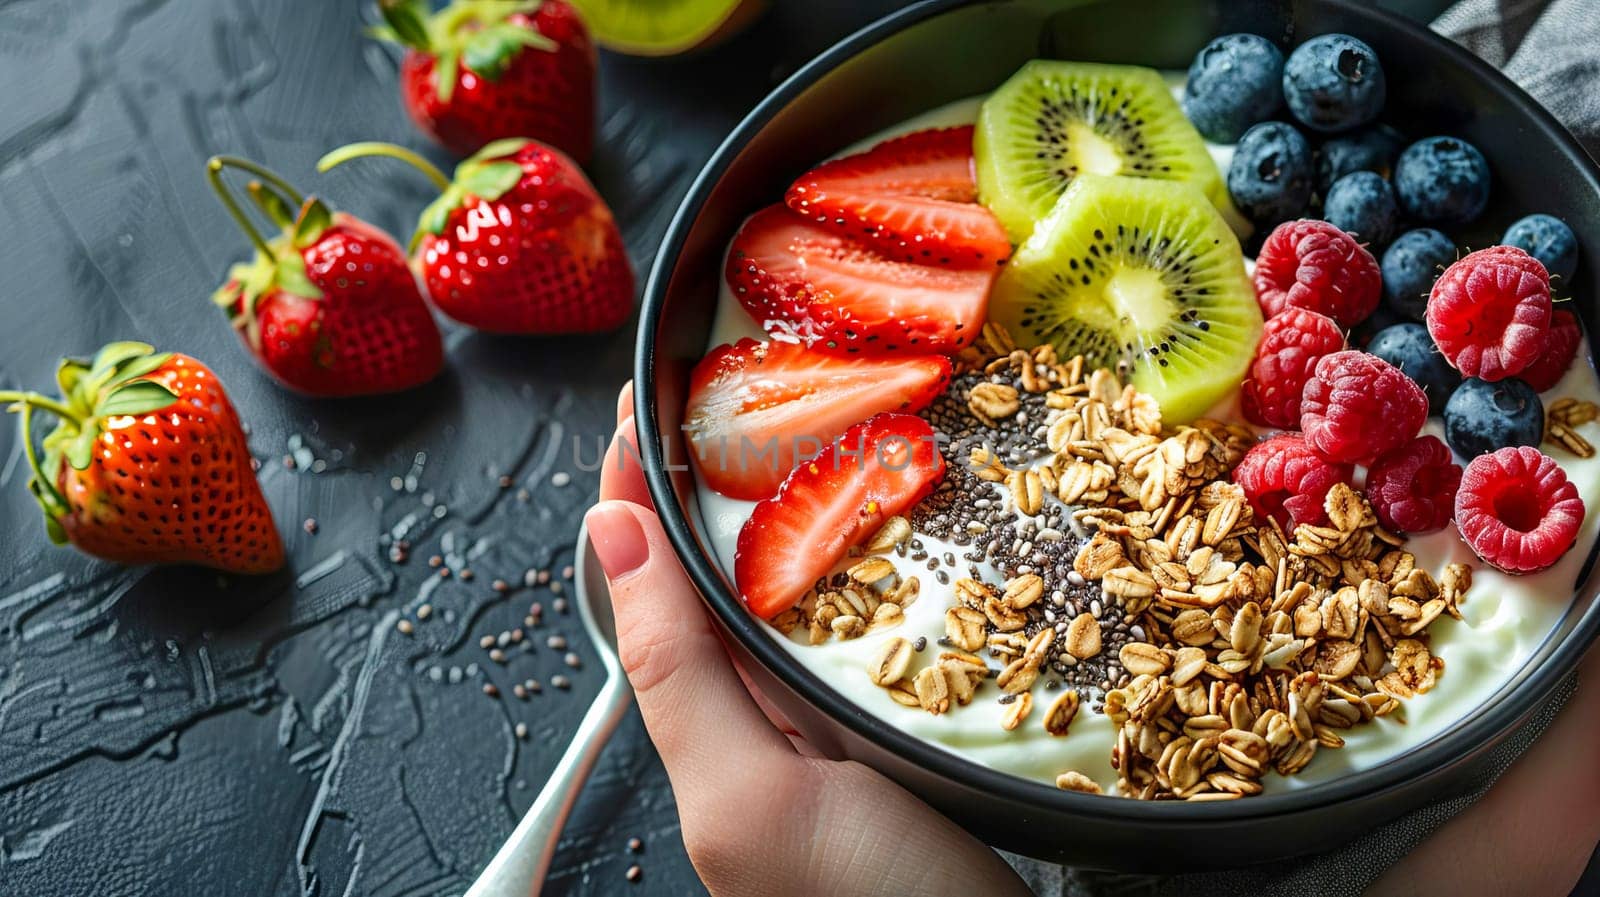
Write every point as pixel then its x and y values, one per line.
pixel 618 540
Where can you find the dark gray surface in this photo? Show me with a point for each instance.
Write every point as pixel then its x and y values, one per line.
pixel 176 732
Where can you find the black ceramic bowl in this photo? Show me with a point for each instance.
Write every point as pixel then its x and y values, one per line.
pixel 935 52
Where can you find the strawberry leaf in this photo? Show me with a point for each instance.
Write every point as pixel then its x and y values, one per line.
pixel 436 217
pixel 500 149
pixel 445 68
pixel 408 21
pixel 532 39
pixel 291 274
pixel 489 181
pixel 489 51
pixel 314 220
pixel 139 367
pixel 109 358
pixel 138 397
pixel 80 450
pixel 54 529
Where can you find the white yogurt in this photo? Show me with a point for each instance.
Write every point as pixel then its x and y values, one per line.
pixel 1504 618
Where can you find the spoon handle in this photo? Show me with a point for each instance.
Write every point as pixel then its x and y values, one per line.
pixel 519 868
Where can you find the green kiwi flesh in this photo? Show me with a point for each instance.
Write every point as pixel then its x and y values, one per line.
pixel 1140 276
pixel 661 27
pixel 1052 121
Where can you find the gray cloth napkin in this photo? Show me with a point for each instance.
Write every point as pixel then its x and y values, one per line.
pixel 1552 49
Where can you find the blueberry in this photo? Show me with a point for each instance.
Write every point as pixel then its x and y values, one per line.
pixel 1409 348
pixel 1483 417
pixel 1270 176
pixel 1362 203
pixel 1410 266
pixel 1333 83
pixel 1548 239
pixel 1234 82
pixel 1373 149
pixel 1382 318
pixel 1442 180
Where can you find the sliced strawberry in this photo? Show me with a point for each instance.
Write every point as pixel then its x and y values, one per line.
pixel 877 469
pixel 755 409
pixel 802 281
pixel 914 198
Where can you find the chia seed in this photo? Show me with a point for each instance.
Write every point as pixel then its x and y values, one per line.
pixel 980 516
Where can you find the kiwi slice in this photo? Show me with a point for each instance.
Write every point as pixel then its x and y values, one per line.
pixel 663 27
pixel 1053 121
pixel 1142 277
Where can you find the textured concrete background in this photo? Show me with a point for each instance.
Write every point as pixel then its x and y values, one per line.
pixel 179 733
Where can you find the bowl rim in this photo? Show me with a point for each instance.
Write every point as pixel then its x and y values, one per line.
pixel 1435 757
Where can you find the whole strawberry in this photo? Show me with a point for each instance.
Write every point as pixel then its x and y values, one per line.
pixel 328 306
pixel 483 70
pixel 148 464
pixel 519 242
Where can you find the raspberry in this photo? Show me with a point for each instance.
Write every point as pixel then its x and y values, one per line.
pixel 1560 346
pixel 1517 510
pixel 1357 406
pixel 1489 312
pixel 1290 345
pixel 1312 264
pixel 1287 480
pixel 1413 488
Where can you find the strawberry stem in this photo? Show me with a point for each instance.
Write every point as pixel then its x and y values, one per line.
pixel 19 400
pixel 49 497
pixel 214 175
pixel 271 203
pixel 389 150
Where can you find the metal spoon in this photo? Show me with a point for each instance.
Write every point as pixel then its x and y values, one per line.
pixel 519 868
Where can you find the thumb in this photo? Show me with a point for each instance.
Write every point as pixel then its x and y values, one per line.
pixel 696 708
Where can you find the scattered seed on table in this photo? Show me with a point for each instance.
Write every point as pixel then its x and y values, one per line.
pixel 544 576
pixel 573 660
pixel 635 845
pixel 560 478
pixel 520 691
pixel 486 642
pixel 424 611
pixel 497 655
pixel 436 674
pixel 532 685
pixel 500 585
pixel 255 464
pixel 516 636
pixel 472 669
pixel 522 730
pixel 310 526
pixel 503 639
pixel 529 621
pixel 920 644
pixel 455 675
pixel 490 689
pixel 523 496
pixel 505 482
pixel 567 571
pixel 556 643
pixel 536 609
pixel 560 682
pixel 530 578
pixel 466 574
pixel 288 462
pixel 560 604
pixel 404 626
pixel 635 873
pixel 435 561
pixel 556 589
pixel 444 572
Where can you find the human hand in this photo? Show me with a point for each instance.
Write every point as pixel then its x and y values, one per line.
pixel 762 814
pixel 1534 832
